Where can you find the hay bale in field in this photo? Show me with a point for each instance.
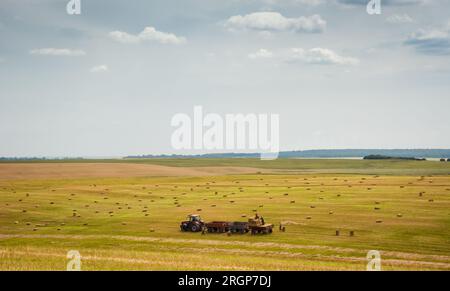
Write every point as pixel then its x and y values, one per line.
pixel 243 215
pixel 308 217
pixel 199 209
pixel 16 222
pixel 35 229
pixel 330 212
pixel 431 200
pixel 214 205
pixel 377 208
pixel 312 206
pixel 24 211
pixel 292 201
pixel 286 194
pixel 399 215
pixel 379 221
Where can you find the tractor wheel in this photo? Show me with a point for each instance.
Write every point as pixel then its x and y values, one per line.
pixel 270 230
pixel 194 228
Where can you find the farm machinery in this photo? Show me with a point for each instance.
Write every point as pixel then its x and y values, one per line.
pixel 256 225
pixel 194 223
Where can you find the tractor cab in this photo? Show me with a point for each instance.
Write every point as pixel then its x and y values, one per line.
pixel 194 217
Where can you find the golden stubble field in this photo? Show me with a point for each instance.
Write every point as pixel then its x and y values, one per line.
pixel 126 216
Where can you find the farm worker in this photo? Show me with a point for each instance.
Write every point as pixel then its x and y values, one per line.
pixel 262 220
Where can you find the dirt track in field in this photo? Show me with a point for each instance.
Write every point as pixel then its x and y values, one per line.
pixel 108 170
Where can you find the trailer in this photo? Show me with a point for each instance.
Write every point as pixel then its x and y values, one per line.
pixel 218 226
pixel 239 227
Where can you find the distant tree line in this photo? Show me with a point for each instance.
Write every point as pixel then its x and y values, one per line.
pixel 381 157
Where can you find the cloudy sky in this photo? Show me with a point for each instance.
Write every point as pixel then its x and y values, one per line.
pixel 107 82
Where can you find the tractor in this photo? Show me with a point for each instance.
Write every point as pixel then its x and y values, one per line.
pixel 258 225
pixel 193 223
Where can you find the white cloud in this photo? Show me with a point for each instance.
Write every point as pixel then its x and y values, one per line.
pixel 99 69
pixel 64 52
pixel 399 18
pixel 261 54
pixel 296 2
pixel 148 34
pixel 319 56
pixel 435 41
pixel 274 21
pixel 310 2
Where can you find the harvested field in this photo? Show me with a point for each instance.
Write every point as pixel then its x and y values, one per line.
pixel 126 216
pixel 11 171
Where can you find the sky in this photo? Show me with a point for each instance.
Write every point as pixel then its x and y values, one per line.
pixel 107 82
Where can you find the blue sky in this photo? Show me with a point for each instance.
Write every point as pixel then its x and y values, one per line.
pixel 107 82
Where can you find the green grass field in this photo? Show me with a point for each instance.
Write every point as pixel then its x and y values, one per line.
pixel 400 208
